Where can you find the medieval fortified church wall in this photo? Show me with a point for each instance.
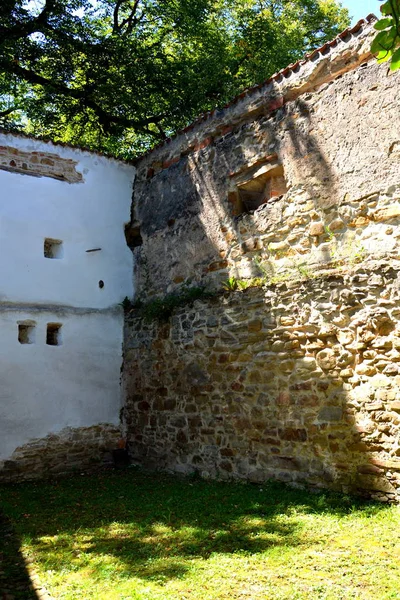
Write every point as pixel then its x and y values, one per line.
pixel 293 189
pixel 64 268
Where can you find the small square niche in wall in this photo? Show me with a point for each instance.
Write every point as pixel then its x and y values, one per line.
pixel 53 248
pixel 26 332
pixel 53 334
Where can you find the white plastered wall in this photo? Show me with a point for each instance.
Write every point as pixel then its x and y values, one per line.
pixel 45 388
pixel 84 216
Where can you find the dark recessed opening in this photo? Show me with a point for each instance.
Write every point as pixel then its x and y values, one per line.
pixel 101 284
pixel 256 186
pixel 26 332
pixel 133 236
pixel 53 248
pixel 53 334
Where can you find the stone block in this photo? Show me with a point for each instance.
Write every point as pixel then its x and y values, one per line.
pixel 254 325
pixel 316 229
pixel 370 482
pixel 373 406
pixel 293 434
pixel 369 469
pixel 326 359
pixel 330 414
pixel 387 213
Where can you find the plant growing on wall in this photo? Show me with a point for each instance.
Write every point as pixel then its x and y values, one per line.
pixel 231 284
pixel 386 44
pixel 162 307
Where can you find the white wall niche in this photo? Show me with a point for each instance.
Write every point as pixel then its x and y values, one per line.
pixel 26 332
pixel 54 334
pixel 53 248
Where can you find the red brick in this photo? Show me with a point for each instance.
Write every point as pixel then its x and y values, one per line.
pixel 172 161
pixel 275 104
pixel 203 144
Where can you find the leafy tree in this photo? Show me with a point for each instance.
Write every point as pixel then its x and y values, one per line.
pixel 386 44
pixel 118 75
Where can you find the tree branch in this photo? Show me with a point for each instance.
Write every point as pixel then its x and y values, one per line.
pixel 131 21
pixel 162 132
pixel 116 26
pixel 106 119
pixel 40 24
pixel 25 28
pixel 48 7
pixel 8 111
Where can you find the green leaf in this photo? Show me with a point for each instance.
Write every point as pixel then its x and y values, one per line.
pixel 386 9
pixel 384 40
pixel 395 62
pixel 185 57
pixel 384 56
pixel 383 24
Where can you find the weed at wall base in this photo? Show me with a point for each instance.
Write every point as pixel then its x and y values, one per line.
pixel 161 309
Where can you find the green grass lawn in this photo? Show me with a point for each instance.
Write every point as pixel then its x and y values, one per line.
pixel 130 534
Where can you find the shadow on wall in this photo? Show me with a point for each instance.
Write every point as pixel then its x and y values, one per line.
pixel 310 163
pixel 15 581
pixel 295 382
pixel 291 382
pixel 187 220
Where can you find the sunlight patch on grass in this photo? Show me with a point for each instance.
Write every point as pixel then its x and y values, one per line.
pixel 166 538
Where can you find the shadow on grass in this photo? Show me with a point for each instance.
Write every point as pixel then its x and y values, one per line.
pixel 15 582
pixel 151 526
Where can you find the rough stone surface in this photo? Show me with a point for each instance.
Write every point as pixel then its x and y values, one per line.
pixel 298 379
pixel 39 164
pixel 305 396
pixel 341 169
pixel 58 453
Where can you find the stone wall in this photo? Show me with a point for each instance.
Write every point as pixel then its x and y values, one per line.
pixel 295 188
pixel 39 164
pixel 338 146
pixel 68 450
pixel 299 381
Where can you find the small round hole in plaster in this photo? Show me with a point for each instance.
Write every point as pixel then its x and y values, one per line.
pixel 101 284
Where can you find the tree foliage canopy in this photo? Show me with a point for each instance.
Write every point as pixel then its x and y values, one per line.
pixel 117 75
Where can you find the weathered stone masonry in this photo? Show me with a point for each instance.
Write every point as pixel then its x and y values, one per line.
pixel 338 145
pixel 39 164
pixel 298 380
pixel 71 449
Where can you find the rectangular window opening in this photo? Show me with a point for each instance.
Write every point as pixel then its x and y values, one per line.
pixel 26 332
pixel 257 185
pixel 53 248
pixel 53 334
